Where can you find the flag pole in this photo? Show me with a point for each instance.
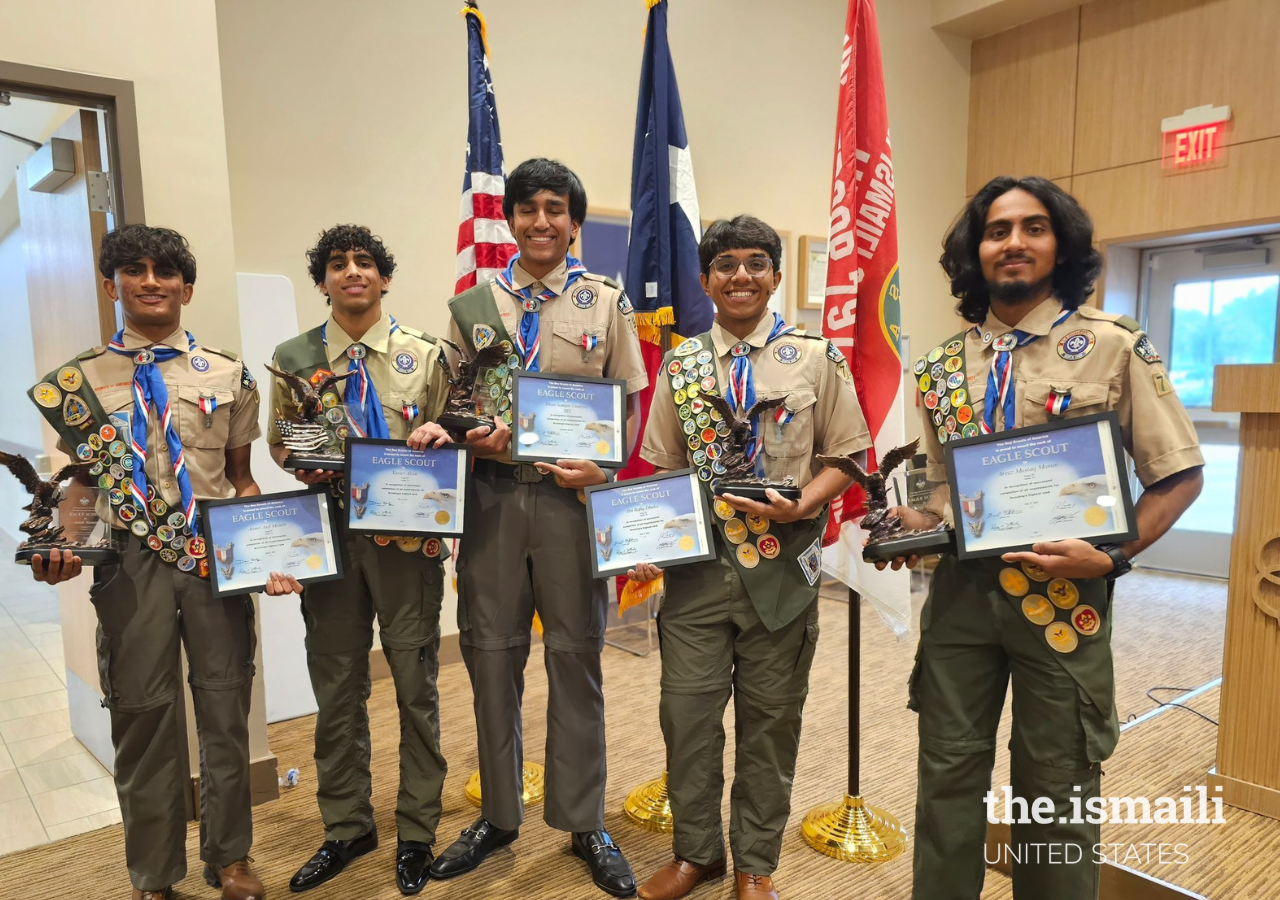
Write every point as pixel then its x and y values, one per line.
pixel 852 830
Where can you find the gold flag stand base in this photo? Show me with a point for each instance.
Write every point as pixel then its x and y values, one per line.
pixel 648 806
pixel 852 831
pixel 535 787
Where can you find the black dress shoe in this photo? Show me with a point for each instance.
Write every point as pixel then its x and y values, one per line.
pixel 469 850
pixel 413 859
pixel 609 868
pixel 330 859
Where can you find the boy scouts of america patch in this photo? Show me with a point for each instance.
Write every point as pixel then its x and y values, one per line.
pixel 1076 345
pixel 200 364
pixel 624 305
pixel 1146 350
pixel 786 353
pixel 246 379
pixel 405 362
pixel 482 336
pixel 584 298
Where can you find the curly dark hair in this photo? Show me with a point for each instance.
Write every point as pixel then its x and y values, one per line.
pixel 739 233
pixel 343 238
pixel 534 175
pixel 134 243
pixel 1078 266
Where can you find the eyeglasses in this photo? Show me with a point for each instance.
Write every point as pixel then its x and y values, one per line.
pixel 727 266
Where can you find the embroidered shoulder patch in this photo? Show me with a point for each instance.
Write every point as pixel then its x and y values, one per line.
pixel 1146 350
pixel 833 353
pixel 246 379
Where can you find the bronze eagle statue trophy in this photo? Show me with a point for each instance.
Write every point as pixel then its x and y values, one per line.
pixel 462 411
pixel 42 535
pixel 739 477
pixel 310 435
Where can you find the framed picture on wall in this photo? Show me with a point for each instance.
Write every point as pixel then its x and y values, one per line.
pixel 602 243
pixel 811 292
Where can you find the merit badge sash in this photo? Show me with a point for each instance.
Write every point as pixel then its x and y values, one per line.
pixel 477 316
pixel 778 592
pixel 944 390
pixel 73 410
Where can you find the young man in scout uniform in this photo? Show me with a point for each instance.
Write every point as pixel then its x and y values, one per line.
pixel 397 386
pixel 1021 261
pixel 165 422
pixel 524 548
pixel 745 623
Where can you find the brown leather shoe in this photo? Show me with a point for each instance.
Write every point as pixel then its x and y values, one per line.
pixel 236 880
pixel 151 895
pixel 754 887
pixel 678 878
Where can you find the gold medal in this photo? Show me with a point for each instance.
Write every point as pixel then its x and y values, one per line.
pixel 1085 619
pixel 1061 637
pixel 748 556
pixel 602 447
pixel 443 517
pixel 1035 572
pixel 1063 593
pixel 735 530
pixel 47 395
pixel 686 543
pixel 1013 582
pixel 1037 609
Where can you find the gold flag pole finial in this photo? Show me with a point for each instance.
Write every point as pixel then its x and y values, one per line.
pixel 471 9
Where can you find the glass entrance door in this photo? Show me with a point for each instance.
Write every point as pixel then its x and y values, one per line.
pixel 1205 305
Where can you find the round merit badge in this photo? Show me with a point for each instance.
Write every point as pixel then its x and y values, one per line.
pixel 735 530
pixel 1063 593
pixel 1061 637
pixel 1013 582
pixel 1037 609
pixel 1076 345
pixel 71 379
pixel 46 395
pixel 748 556
pixel 921 365
pixel 768 546
pixel 954 347
pixel 200 364
pixel 1085 620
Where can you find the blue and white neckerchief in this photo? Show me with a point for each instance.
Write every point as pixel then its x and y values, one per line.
pixel 742 387
pixel 361 393
pixel 1000 389
pixel 149 390
pixel 528 339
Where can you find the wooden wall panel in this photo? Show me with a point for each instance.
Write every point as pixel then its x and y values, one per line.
pixel 1144 60
pixel 1022 101
pixel 1142 201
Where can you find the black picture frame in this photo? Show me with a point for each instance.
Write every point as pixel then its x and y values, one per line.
pixel 326 503
pixel 1108 420
pixel 700 502
pixel 524 454
pixel 357 525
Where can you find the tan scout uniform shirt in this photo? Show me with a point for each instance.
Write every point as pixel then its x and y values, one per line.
pixel 566 319
pixel 234 422
pixel 403 368
pixel 1112 375
pixel 827 421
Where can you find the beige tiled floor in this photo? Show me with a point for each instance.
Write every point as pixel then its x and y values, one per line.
pixel 50 786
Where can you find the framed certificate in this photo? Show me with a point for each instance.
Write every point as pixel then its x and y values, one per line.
pixel 1015 488
pixel 397 490
pixel 661 520
pixel 559 417
pixel 247 538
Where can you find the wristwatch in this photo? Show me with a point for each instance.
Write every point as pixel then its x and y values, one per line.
pixel 1122 564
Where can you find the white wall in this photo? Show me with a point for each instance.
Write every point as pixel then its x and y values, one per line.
pixel 21 420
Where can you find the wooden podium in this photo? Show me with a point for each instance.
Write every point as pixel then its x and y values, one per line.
pixel 1248 762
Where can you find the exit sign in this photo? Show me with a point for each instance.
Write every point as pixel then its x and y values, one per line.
pixel 1195 138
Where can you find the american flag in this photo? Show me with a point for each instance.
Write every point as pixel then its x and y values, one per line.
pixel 485 244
